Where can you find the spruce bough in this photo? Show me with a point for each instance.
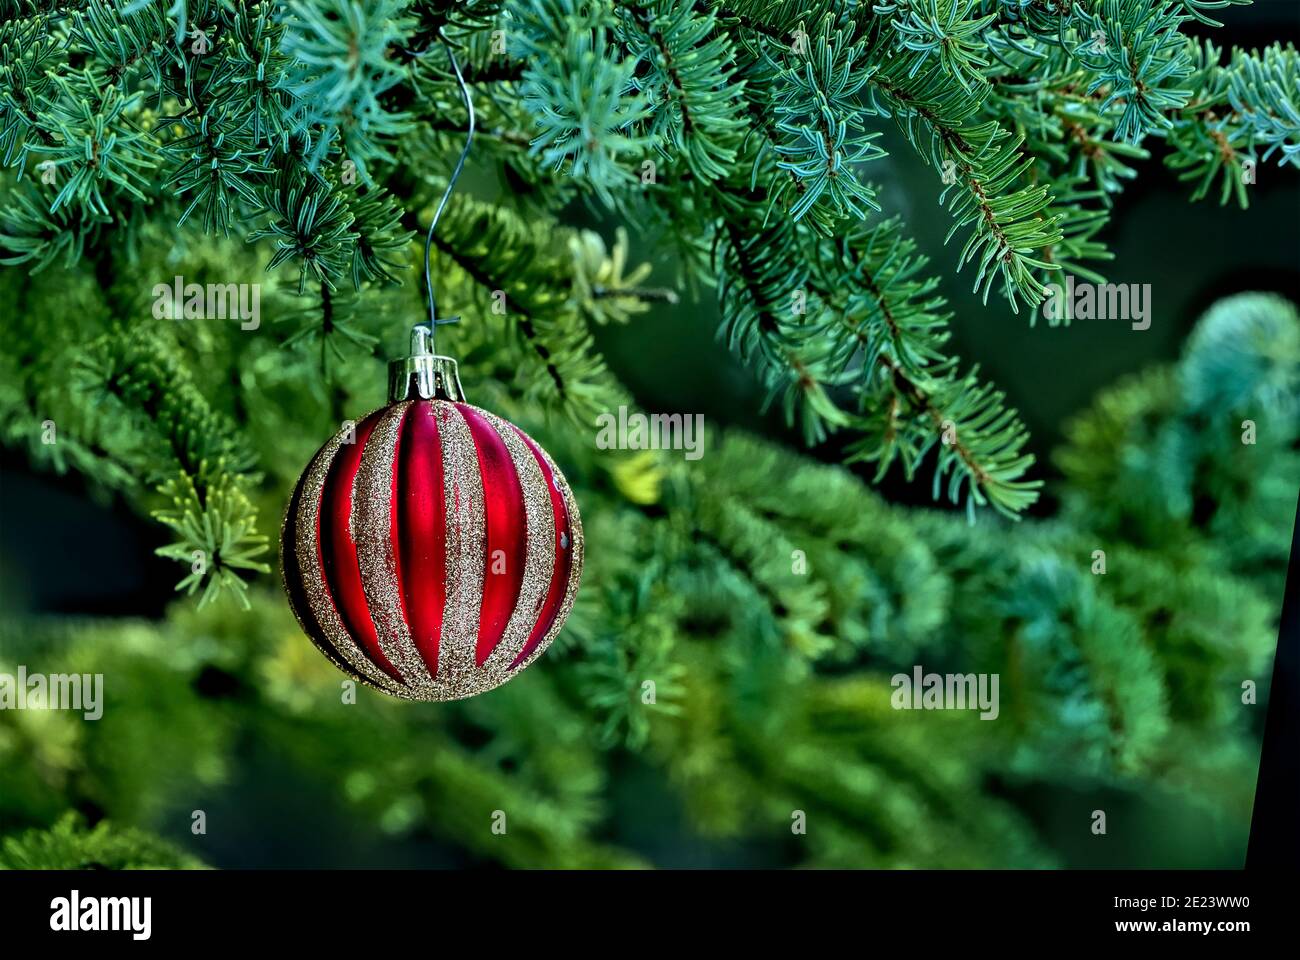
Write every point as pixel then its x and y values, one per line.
pixel 301 146
pixel 743 134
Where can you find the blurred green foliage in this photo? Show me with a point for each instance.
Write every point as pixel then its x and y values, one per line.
pixel 771 685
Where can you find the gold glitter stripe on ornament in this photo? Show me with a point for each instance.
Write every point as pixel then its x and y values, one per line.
pixel 307 548
pixel 293 587
pixel 458 677
pixel 539 559
pixel 575 566
pixel 371 528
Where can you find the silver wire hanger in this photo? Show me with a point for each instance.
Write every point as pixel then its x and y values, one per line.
pixel 437 214
pixel 424 374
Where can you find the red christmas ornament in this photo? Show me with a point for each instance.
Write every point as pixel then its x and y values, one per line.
pixel 434 550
